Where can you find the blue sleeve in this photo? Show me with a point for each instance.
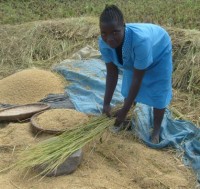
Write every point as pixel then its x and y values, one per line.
pixel 105 52
pixel 143 55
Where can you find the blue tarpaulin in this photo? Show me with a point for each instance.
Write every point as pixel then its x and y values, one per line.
pixel 86 91
pixel 87 84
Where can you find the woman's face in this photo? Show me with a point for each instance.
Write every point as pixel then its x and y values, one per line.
pixel 112 33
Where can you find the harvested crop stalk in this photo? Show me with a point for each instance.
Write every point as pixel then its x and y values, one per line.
pixel 52 153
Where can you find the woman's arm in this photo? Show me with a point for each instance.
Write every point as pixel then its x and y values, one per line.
pixel 111 82
pixel 134 89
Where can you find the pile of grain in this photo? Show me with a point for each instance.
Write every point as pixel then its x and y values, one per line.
pixel 16 135
pixel 29 86
pixel 60 119
pixel 19 136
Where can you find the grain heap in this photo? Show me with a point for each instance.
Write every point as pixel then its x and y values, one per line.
pixel 60 119
pixel 16 135
pixel 29 86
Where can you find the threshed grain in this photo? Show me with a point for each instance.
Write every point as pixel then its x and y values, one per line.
pixel 29 86
pixel 61 119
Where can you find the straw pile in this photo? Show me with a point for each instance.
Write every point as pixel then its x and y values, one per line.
pixel 60 119
pixel 186 59
pixel 44 43
pixel 29 86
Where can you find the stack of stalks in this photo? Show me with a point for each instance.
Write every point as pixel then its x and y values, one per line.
pixel 186 59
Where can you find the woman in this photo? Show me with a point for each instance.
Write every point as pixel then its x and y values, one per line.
pixel 144 53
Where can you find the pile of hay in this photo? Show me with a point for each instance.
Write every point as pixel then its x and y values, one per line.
pixel 44 43
pixel 29 86
pixel 186 59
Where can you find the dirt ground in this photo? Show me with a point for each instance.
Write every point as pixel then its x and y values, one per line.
pixel 118 162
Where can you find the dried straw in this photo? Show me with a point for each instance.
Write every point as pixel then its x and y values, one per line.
pixel 186 59
pixel 186 106
pixel 44 43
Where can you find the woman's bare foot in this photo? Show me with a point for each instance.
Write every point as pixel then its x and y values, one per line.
pixel 155 138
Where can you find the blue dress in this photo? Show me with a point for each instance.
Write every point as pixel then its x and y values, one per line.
pixel 145 47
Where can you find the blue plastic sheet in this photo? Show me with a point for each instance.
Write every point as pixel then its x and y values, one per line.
pixel 87 84
pixel 86 91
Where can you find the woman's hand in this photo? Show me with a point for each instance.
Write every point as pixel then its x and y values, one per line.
pixel 120 116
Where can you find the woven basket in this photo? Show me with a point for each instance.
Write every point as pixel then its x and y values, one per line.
pixel 37 129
